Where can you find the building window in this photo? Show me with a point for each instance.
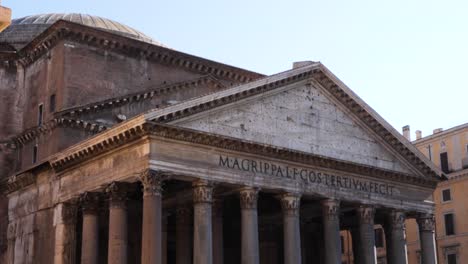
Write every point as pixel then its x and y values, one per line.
pixel 446 195
pixel 40 114
pixel 449 224
pixel 444 162
pixel 34 157
pixel 52 103
pixel 452 259
pixel 379 238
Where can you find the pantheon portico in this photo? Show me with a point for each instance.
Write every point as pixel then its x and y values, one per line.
pixel 257 169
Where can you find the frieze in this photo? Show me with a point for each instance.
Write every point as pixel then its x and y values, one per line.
pixel 305 175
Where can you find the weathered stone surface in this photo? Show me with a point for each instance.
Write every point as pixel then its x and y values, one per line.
pixel 303 118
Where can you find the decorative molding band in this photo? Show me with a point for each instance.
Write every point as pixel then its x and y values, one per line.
pixel 140 96
pixel 68 118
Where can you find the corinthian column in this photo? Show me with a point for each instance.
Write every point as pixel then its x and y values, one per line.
pixel 365 216
pixel 90 240
pixel 117 246
pixel 151 242
pixel 249 225
pixel 183 236
pixel 202 233
pixel 290 204
pixel 426 223
pixel 395 238
pixel 65 218
pixel 331 231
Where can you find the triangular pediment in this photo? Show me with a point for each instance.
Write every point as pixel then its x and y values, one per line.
pixel 302 117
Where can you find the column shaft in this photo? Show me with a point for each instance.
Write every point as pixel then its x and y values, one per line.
pixel 90 239
pixel 202 233
pixel 426 225
pixel 331 228
pixel 249 225
pixel 290 204
pixel 151 245
pixel 395 238
pixel 183 236
pixel 118 224
pixel 367 251
pixel 65 239
pixel 218 247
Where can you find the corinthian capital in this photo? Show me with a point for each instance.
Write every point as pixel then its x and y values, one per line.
pixel 396 219
pixel 89 202
pixel 202 192
pixel 152 182
pixel 290 203
pixel 331 209
pixel 426 222
pixel 248 198
pixel 365 214
pixel 117 192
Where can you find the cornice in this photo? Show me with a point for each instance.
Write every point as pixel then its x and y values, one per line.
pixel 106 40
pixel 140 96
pixel 47 127
pixel 70 117
pixel 105 143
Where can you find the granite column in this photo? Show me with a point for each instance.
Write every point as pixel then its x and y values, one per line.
pixel 290 204
pixel 331 231
pixel 202 229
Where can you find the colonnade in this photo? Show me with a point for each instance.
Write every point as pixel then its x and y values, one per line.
pixel 207 216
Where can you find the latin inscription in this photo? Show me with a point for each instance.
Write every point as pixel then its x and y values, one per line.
pixel 307 176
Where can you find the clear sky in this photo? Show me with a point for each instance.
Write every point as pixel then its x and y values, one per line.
pixel 406 59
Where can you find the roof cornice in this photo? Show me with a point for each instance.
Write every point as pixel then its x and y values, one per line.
pixel 61 30
pixel 71 117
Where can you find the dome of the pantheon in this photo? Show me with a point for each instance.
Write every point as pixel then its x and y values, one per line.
pixel 23 30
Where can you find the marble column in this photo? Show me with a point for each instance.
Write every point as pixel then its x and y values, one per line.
pixel 202 232
pixel 183 234
pixel 367 251
pixel 90 240
pixel 218 247
pixel 290 204
pixel 151 241
pixel 395 238
pixel 426 223
pixel 118 223
pixel 65 219
pixel 331 231
pixel 249 225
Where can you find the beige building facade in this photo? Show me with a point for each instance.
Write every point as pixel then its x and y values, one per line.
pixel 120 150
pixel 448 150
